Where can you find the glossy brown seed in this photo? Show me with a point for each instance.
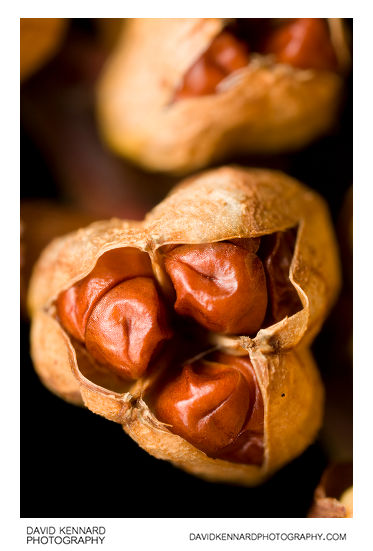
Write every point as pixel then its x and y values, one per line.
pixel 127 327
pixel 220 285
pixel 302 43
pixel 228 53
pixel 224 55
pixel 217 406
pixel 75 305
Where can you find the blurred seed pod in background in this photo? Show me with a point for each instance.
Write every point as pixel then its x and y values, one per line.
pixel 220 92
pixel 333 496
pixel 40 40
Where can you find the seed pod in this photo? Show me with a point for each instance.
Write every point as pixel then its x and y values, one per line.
pixel 40 39
pixel 233 204
pixel 216 95
pixel 252 222
pixel 333 495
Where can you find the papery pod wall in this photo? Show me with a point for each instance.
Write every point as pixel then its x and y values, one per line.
pixel 225 205
pixel 262 105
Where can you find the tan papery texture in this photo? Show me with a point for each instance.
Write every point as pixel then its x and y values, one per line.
pixel 221 204
pixel 263 107
pixel 333 495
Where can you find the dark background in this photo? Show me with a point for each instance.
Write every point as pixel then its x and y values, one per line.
pixel 77 464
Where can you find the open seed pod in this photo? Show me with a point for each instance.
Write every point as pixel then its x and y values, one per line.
pixel 207 305
pixel 334 495
pixel 229 87
pixel 40 39
pixel 234 204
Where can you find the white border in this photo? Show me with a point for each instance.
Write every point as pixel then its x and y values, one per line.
pixel 173 533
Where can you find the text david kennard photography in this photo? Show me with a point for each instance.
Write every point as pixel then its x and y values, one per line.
pixel 65 535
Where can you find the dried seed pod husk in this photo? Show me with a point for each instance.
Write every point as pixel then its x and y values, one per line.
pixel 65 261
pixel 333 495
pixel 293 404
pixel 233 203
pixel 42 221
pixel 40 39
pixel 224 204
pixel 293 396
pixel 262 107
